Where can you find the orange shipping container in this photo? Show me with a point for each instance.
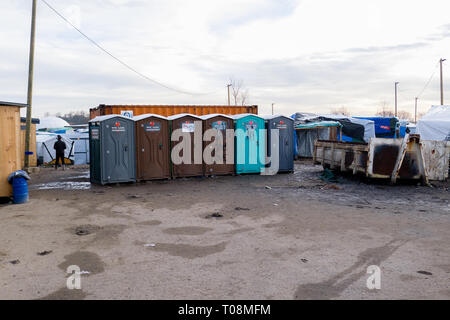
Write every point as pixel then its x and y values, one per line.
pixel 167 111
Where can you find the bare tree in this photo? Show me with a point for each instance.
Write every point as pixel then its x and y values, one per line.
pixel 244 97
pixel 341 110
pixel 384 110
pixel 405 115
pixel 239 93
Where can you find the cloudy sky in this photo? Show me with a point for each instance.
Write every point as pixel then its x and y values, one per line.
pixel 303 55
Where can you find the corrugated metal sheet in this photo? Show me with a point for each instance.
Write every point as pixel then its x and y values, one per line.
pixel 170 110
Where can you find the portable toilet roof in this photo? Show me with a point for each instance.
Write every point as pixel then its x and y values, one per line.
pixel 181 115
pixel 148 115
pixel 209 116
pixel 107 117
pixel 274 116
pixel 243 115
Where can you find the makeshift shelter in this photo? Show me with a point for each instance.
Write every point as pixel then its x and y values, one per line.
pixel 46 154
pixel 81 146
pixel 385 127
pixel 10 144
pixel 311 127
pixel 435 125
pixel 308 133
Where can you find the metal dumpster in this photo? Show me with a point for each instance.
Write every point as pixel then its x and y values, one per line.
pixel 152 147
pixel 220 123
pixel 112 150
pixel 190 128
pixel 407 158
pixel 285 128
pixel 250 143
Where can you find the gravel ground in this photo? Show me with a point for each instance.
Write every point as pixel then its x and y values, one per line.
pixel 290 236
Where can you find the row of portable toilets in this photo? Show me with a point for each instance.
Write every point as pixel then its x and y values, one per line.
pixel 139 149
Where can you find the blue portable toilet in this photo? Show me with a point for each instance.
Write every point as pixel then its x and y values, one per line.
pixel 250 143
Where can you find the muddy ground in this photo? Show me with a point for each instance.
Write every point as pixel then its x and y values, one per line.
pixel 290 236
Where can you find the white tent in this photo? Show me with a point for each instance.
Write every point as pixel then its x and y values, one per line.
pixel 81 146
pixel 52 123
pixel 44 147
pixel 435 125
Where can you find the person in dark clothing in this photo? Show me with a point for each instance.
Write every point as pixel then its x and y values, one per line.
pixel 59 147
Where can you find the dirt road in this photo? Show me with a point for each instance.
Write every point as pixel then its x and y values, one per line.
pixel 290 236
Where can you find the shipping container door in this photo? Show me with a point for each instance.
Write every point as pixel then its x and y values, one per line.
pixel 152 137
pixel 221 124
pixel 118 150
pixel 187 125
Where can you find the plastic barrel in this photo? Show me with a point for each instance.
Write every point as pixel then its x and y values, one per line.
pixel 20 190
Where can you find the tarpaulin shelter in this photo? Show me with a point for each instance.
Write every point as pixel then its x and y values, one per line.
pixel 435 125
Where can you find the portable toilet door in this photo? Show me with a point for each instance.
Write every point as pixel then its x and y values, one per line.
pixel 285 128
pixel 112 145
pixel 250 143
pixel 220 123
pixel 188 126
pixel 152 147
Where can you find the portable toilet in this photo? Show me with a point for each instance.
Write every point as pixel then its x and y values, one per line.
pixel 112 149
pixel 250 143
pixel 186 145
pixel 285 128
pixel 220 123
pixel 152 147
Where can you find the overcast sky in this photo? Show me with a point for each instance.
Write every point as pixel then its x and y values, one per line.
pixel 303 55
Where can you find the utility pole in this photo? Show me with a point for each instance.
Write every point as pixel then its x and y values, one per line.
pixel 272 107
pixel 228 87
pixel 415 111
pixel 30 86
pixel 442 83
pixel 396 110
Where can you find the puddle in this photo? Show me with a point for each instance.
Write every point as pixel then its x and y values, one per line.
pixel 83 175
pixel 67 185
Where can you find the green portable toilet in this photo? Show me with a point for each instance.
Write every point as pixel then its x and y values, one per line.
pixel 250 143
pixel 112 149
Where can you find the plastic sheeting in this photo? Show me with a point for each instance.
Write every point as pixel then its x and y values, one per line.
pixel 81 146
pixel 306 138
pixel 435 125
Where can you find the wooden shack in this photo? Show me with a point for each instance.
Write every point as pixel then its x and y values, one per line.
pixel 10 144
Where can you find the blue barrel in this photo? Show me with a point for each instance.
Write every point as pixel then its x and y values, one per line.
pixel 20 190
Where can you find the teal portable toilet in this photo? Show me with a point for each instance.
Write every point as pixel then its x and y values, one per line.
pixel 112 149
pixel 250 143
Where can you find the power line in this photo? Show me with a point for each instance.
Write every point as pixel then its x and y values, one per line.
pixel 120 61
pixel 429 81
